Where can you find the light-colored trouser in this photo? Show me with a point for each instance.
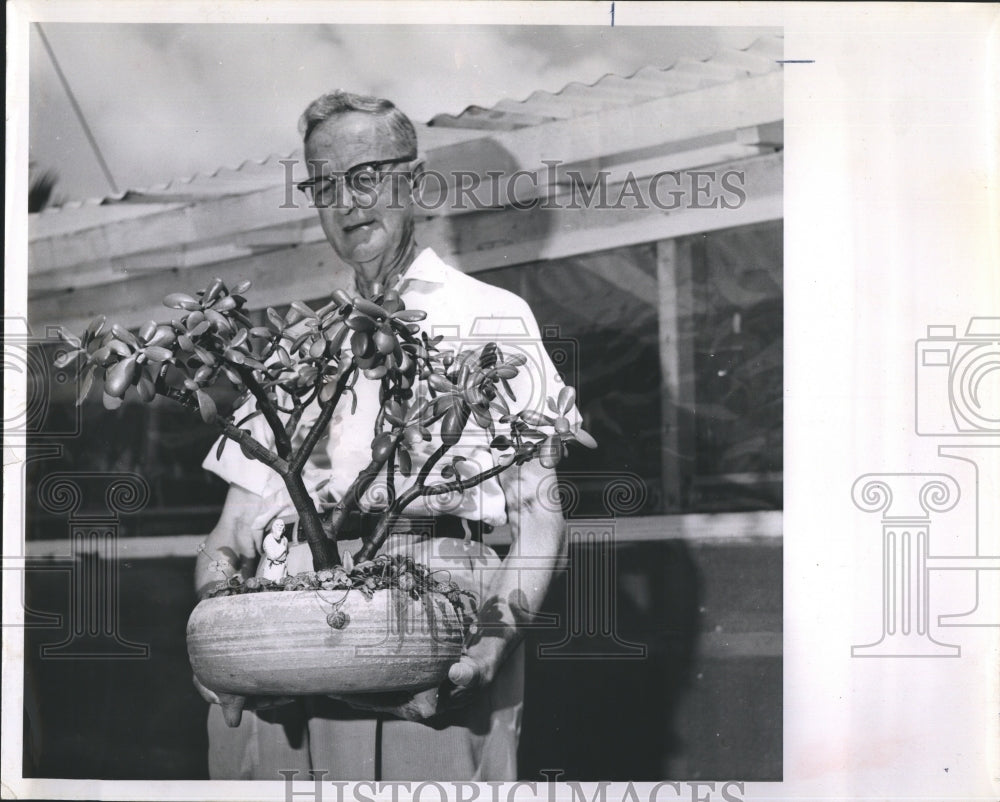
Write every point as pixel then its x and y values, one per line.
pixel 479 742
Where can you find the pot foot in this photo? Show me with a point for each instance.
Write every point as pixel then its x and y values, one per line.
pixel 232 708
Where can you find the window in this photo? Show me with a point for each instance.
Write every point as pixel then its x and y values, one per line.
pixel 676 352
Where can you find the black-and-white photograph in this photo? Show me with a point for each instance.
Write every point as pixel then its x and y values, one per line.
pixel 466 339
pixel 587 402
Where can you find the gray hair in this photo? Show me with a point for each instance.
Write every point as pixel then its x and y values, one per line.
pixel 339 102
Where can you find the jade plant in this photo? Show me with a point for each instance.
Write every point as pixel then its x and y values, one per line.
pixel 297 359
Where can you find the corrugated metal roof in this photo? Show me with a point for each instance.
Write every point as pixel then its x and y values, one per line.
pixel 611 91
pixel 573 100
pixel 252 175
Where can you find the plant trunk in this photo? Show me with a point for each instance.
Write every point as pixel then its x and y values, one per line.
pixel 324 550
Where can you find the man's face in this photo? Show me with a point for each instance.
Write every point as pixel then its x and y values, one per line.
pixel 367 232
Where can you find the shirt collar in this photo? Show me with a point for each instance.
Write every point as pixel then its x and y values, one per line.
pixel 427 268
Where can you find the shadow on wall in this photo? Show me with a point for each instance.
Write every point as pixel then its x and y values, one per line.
pixel 462 233
pixel 599 708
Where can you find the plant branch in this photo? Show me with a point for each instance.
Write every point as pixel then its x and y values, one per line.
pixel 319 425
pixel 248 442
pixel 323 550
pixel 465 484
pixel 401 502
pixel 428 466
pixel 350 500
pixel 295 415
pixel 267 408
pixel 390 476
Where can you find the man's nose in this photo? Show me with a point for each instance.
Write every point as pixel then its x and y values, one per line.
pixel 345 202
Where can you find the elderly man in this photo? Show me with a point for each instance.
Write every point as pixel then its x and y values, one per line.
pixel 364 172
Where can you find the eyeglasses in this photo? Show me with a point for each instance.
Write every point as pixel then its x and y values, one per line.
pixel 360 180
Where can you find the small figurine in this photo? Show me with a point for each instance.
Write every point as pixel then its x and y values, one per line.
pixel 275 548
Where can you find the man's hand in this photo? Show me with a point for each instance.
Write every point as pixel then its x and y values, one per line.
pixel 412 707
pixel 465 678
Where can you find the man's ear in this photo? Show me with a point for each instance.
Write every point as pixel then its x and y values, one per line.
pixel 417 174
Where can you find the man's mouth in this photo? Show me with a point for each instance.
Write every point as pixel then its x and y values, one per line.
pixel 357 226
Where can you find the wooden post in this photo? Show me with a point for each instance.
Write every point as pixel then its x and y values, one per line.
pixel 675 305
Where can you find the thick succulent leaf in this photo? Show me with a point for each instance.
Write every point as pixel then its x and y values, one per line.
pixel 550 452
pixel 110 402
pixel 440 383
pixel 410 315
pixel 249 417
pixel 206 406
pixel 145 389
pixel 317 348
pixel 156 353
pixel 326 393
pixel 86 382
pixel 212 291
pixel 219 321
pixel 370 309
pixel 120 376
pixel 96 326
pixel 199 328
pixel 584 438
pixel 204 356
pixel 302 309
pixel 119 347
pixel 482 418
pixel 163 336
pixel 69 337
pixel 124 335
pixel 66 358
pixel 359 321
pixel 239 338
pixel 535 418
pixel 181 300
pixel 276 319
pixel 567 396
pixel 147 330
pixel 405 462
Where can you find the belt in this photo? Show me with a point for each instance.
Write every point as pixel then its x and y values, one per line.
pixel 360 524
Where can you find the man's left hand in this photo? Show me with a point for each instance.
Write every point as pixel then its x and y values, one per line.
pixel 464 678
